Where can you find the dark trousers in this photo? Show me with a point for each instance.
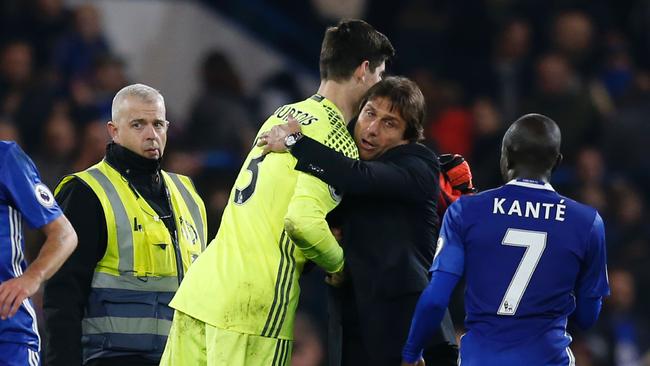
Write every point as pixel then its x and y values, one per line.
pixel 353 349
pixel 354 352
pixel 122 361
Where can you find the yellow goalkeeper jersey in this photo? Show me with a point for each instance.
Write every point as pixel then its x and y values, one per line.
pixel 247 278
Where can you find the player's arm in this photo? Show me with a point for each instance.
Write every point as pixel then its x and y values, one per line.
pixel 587 311
pixel 37 205
pixel 306 225
pixel 410 181
pixel 60 242
pixel 446 271
pixel 375 178
pixel 592 283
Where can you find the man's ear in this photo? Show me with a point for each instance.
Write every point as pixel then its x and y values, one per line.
pixel 558 161
pixel 361 71
pixel 111 127
pixel 510 164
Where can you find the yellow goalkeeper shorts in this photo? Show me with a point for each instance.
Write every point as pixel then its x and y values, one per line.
pixel 192 342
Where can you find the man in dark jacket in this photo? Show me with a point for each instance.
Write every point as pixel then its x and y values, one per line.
pixel 390 223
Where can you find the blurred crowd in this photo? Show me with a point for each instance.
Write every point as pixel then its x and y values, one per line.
pixel 480 64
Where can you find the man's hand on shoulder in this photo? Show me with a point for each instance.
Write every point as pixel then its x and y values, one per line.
pixel 275 139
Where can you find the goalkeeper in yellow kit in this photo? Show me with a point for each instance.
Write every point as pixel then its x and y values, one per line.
pixel 237 303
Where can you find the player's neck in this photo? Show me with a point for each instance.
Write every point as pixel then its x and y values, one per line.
pixel 341 95
pixel 530 175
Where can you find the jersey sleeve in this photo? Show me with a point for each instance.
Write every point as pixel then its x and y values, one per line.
pixel 306 225
pixel 313 199
pixel 450 253
pixel 28 194
pixel 592 281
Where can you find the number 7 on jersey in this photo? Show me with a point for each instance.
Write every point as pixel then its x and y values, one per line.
pixel 535 243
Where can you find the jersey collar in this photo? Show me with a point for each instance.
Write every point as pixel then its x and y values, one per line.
pixel 321 99
pixel 531 183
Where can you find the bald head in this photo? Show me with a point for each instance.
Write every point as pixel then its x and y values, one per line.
pixel 531 148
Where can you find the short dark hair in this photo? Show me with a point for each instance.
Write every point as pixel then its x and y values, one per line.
pixel 347 45
pixel 533 141
pixel 406 97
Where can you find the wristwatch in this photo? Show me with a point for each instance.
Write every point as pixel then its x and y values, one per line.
pixel 291 139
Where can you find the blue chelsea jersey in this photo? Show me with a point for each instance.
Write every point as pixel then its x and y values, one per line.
pixel 23 197
pixel 526 253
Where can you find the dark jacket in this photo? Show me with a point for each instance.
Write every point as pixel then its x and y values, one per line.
pixel 390 228
pixel 66 293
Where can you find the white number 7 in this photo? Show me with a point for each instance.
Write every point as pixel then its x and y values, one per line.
pixel 535 243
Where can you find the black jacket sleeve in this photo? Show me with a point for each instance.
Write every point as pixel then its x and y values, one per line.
pixel 407 177
pixel 66 293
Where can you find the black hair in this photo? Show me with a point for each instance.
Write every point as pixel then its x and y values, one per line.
pixel 348 44
pixel 406 97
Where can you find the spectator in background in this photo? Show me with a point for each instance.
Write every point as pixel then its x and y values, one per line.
pixel 22 97
pixel 630 230
pixel 623 138
pixel 93 145
pixel 630 235
pixel 617 74
pixel 75 52
pixel 590 169
pixel 509 77
pixel 279 89
pixel 623 328
pixel 46 22
pixel 488 132
pixel 449 123
pixel 421 32
pixel 590 185
pixel 436 104
pixel 637 24
pixel 220 117
pixel 59 142
pixel 16 69
pixel 573 34
pixel 93 95
pixel 561 96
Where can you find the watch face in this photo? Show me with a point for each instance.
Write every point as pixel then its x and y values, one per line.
pixel 291 139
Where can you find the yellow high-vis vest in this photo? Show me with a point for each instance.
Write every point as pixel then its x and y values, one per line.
pixel 127 311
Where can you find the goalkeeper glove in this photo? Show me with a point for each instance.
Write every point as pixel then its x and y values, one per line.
pixel 455 180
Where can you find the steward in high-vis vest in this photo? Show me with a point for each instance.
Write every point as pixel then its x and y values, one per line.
pixel 139 230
